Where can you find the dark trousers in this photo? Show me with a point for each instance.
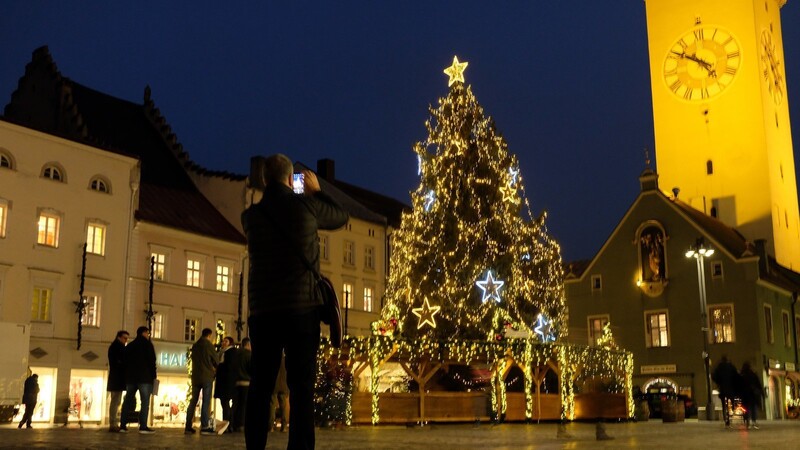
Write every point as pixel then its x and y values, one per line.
pixel 26 418
pixel 239 406
pixel 226 408
pixel 298 337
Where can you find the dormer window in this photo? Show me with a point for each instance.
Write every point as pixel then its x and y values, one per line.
pixel 52 172
pixel 99 185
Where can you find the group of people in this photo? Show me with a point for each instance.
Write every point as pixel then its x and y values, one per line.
pixel 744 385
pixel 131 369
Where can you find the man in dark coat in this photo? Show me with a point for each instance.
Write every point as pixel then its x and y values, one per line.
pixel 752 392
pixel 225 385
pixel 140 375
pixel 727 379
pixel 204 367
pixel 116 378
pixel 30 395
pixel 281 232
pixel 242 364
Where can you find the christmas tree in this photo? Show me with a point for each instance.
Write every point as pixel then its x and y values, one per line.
pixel 470 261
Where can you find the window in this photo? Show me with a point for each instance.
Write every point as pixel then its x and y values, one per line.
pixel 91 313
pixel 657 329
pixel 596 324
pixel 224 278
pixel 52 172
pixel 797 329
pixel 347 295
pixel 768 323
pixel 597 282
pixel 40 306
pixel 159 261
pixel 99 185
pixel 157 329
pixel 349 253
pixel 721 320
pixel 716 269
pixel 368 299
pixel 323 248
pixel 3 216
pixel 191 328
pixel 193 273
pixel 6 161
pixel 96 238
pixel 787 332
pixel 369 257
pixel 709 167
pixel 48 229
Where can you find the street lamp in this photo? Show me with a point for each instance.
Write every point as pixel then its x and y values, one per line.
pixel 699 251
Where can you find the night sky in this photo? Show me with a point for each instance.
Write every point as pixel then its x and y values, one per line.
pixel 567 83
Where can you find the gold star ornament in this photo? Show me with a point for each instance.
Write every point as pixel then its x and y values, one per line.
pixel 456 71
pixel 425 314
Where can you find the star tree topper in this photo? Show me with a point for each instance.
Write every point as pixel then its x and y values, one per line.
pixel 490 287
pixel 456 71
pixel 425 314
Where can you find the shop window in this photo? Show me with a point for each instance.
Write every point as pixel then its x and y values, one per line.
pixel 657 329
pixel 368 299
pixel 86 393
pixel 49 225
pixel 721 320
pixel 768 324
pixel 596 325
pixel 347 295
pixel 96 238
pixel 44 406
pixel 41 303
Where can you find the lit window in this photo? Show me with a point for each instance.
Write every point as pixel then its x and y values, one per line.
pixel 597 282
pixel 159 261
pixel 721 321
pixel 768 323
pixel 91 314
pixel 368 299
pixel 191 326
pixel 193 272
pixel 96 238
pixel 3 216
pixel 369 257
pixel 323 248
pixel 48 229
pixel 347 295
pixel 40 306
pixel 596 324
pixel 349 253
pixel 787 332
pixel 157 330
pixel 223 278
pixel 99 185
pixel 657 330
pixel 53 173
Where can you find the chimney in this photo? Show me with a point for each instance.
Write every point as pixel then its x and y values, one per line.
pixel 761 251
pixel 326 168
pixel 648 180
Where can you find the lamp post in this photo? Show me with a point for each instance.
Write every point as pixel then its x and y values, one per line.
pixel 699 251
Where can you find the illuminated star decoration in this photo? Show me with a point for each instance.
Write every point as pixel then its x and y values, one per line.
pixel 419 164
pixel 514 175
pixel 429 199
pixel 509 194
pixel 425 314
pixel 490 287
pixel 456 71
pixel 544 328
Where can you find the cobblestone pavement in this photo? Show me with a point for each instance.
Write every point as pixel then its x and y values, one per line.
pixel 653 434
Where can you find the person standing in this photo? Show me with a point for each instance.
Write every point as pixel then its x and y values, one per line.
pixel 726 377
pixel 242 364
pixel 226 378
pixel 284 316
pixel 204 367
pixel 116 378
pixel 30 395
pixel 752 395
pixel 280 397
pixel 140 375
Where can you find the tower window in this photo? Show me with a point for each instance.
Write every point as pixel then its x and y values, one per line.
pixel 710 167
pixel 714 212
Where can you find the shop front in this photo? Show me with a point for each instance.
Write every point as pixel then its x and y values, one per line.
pixel 43 413
pixel 172 396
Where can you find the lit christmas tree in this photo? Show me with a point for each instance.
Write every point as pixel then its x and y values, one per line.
pixel 470 261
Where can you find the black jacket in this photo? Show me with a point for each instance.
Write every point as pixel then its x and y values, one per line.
pixel 30 390
pixel 227 371
pixel 242 364
pixel 140 361
pixel 116 366
pixel 278 228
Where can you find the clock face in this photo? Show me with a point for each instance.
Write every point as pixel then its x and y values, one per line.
pixel 771 67
pixel 702 63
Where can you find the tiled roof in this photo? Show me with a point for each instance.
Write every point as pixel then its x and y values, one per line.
pixel 726 236
pixel 392 209
pixel 351 205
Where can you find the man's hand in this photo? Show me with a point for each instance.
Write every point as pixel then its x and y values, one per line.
pixel 310 182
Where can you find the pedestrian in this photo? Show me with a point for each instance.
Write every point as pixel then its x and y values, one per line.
pixel 204 366
pixel 242 363
pixel 726 377
pixel 752 395
pixel 140 375
pixel 226 378
pixel 280 399
pixel 116 378
pixel 30 395
pixel 284 315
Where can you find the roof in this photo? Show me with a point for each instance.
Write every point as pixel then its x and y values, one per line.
pixel 68 109
pixel 390 208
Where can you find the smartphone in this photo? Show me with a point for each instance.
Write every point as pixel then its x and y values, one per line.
pixel 298 183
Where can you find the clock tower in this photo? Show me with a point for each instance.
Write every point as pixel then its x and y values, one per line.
pixel 721 115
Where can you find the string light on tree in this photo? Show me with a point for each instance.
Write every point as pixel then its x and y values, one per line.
pixel 490 288
pixel 426 314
